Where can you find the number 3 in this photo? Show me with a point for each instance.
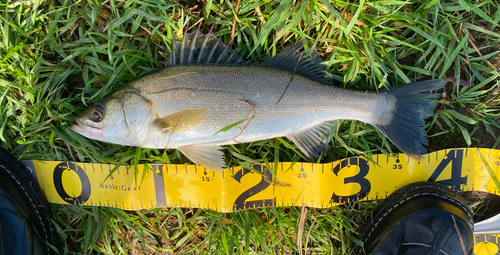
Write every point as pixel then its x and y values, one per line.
pixel 359 178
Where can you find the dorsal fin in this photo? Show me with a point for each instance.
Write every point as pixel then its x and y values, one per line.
pixel 198 48
pixel 309 62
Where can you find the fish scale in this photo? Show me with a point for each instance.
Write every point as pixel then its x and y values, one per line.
pixel 208 88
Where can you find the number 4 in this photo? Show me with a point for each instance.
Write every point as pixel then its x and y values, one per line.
pixel 455 157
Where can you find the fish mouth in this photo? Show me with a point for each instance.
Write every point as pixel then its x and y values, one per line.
pixel 87 131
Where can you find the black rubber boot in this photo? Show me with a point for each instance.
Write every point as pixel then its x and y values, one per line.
pixel 421 218
pixel 25 218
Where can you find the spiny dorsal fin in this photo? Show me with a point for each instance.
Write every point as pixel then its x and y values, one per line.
pixel 309 62
pixel 198 48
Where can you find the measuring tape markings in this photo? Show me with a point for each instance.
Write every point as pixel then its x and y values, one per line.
pixel 486 244
pixel 315 185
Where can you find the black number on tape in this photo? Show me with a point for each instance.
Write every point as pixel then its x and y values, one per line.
pixel 359 178
pixel 241 203
pixel 84 180
pixel 455 157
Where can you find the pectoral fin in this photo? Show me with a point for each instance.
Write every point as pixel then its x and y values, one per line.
pixel 181 121
pixel 313 141
pixel 207 155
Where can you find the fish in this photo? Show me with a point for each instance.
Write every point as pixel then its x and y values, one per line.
pixel 209 96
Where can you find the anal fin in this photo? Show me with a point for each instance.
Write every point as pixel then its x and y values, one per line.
pixel 313 141
pixel 207 155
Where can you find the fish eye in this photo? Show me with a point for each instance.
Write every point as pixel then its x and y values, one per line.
pixel 96 113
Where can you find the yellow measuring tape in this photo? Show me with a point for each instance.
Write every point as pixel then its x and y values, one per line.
pixel 486 244
pixel 283 184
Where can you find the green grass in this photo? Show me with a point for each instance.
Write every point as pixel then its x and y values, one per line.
pixel 58 57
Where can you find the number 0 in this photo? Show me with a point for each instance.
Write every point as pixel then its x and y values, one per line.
pixel 84 179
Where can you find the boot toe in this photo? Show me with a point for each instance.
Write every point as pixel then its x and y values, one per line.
pixel 421 218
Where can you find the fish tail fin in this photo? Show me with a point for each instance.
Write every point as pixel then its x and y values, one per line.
pixel 404 127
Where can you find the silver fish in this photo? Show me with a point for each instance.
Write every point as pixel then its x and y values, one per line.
pixel 207 87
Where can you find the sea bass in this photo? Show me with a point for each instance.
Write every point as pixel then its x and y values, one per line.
pixel 207 88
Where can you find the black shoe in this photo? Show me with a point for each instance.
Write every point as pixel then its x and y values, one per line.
pixel 25 218
pixel 421 218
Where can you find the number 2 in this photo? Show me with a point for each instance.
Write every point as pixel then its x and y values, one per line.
pixel 240 203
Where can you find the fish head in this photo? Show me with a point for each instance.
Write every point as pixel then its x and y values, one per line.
pixel 122 118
